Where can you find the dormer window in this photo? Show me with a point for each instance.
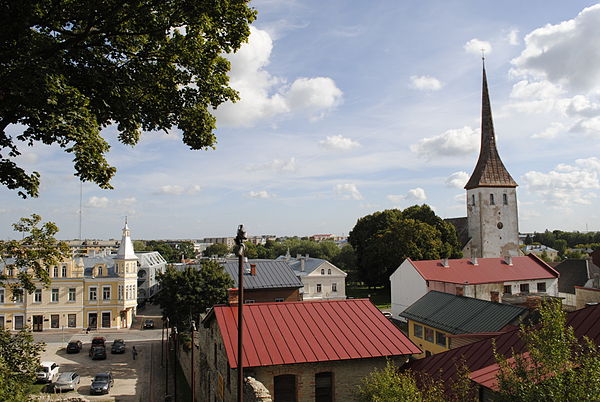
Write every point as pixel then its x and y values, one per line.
pixel 492 199
pixel 505 199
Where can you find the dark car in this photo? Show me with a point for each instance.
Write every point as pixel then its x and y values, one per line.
pixel 118 346
pixel 74 347
pixel 148 324
pixel 101 383
pixel 98 341
pixel 98 352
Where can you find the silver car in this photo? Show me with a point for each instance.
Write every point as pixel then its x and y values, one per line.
pixel 68 381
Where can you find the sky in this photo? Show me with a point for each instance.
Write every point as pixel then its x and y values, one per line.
pixel 348 108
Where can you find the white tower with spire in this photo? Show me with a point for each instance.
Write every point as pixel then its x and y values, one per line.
pixel 126 268
pixel 492 216
pixel 126 260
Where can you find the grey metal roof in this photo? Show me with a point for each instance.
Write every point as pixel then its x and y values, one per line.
pixel 269 274
pixel 90 262
pixel 575 272
pixel 460 314
pixel 310 264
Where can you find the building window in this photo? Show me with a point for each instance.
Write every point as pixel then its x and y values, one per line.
pixel 507 289
pixel 524 288
pixel 318 288
pixel 541 286
pixel 72 320
pixel 324 387
pixel 322 271
pixel 329 271
pixel 72 292
pixel 106 293
pixel 429 334
pixel 120 292
pixel 1 295
pixel 93 295
pixel 18 322
pixel 473 199
pixel 54 296
pixel 285 387
pixel 18 295
pixel 249 301
pixel 279 299
pixel 492 199
pixel 2 322
pixel 37 296
pixel 418 330
pixel 334 287
pixel 55 272
pixel 54 321
pixel 64 271
pixel 440 339
pixel 504 199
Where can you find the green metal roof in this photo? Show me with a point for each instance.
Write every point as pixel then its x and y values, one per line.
pixel 461 315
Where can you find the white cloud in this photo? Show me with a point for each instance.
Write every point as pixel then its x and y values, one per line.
pixel 276 165
pixel 415 194
pixel 525 89
pixel 126 202
pixel 263 95
pixel 475 46
pixel 513 37
pixel 339 142
pixel 97 202
pixel 566 184
pixel 425 83
pixel 347 191
pixel 550 132
pixel 450 143
pixel 580 105
pixel 566 53
pixel 176 189
pixel 260 194
pixel 457 179
pixel 590 127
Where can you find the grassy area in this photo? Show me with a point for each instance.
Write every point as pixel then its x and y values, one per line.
pixel 379 296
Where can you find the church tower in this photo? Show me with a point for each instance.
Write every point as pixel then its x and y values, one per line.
pixel 492 216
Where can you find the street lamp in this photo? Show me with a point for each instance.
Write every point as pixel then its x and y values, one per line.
pixel 193 347
pixel 239 241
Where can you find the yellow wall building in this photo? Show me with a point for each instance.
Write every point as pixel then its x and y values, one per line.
pixel 84 293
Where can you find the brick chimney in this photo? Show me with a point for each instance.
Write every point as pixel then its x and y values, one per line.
pixel 253 269
pixel 508 260
pixel 232 297
pixel 474 261
pixel 445 263
pixel 495 296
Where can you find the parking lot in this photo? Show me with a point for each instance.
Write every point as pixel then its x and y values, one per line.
pixel 134 380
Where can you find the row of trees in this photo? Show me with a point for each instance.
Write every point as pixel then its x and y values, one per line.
pixel 557 367
pixel 560 240
pixel 172 252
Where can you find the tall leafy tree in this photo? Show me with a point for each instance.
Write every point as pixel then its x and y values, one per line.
pixel 218 249
pixel 186 294
pixel 70 68
pixel 19 360
pixel 384 239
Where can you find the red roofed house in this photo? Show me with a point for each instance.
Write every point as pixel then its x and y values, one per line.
pixel 490 279
pixel 300 351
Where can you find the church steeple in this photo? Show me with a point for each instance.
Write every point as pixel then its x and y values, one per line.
pixel 126 251
pixel 489 171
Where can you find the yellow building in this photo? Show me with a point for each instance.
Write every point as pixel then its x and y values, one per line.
pixel 84 293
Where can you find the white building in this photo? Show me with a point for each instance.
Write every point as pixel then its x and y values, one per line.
pixel 321 279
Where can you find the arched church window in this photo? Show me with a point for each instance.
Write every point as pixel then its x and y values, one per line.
pixel 473 199
pixel 492 199
pixel 505 199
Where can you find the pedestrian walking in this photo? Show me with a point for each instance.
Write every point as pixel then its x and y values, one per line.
pixel 134 352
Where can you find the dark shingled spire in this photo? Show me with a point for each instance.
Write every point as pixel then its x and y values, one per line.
pixel 489 171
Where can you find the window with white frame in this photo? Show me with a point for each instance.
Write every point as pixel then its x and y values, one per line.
pixel 334 287
pixel 93 293
pixel 72 294
pixel 322 271
pixel 64 271
pixel 106 293
pixel 120 292
pixel 318 288
pixel 329 271
pixel 1 295
pixel 18 295
pixel 37 296
pixel 55 272
pixel 54 295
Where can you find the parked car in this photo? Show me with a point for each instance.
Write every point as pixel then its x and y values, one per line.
pixel 74 347
pixel 118 346
pixel 98 341
pixel 97 352
pixel 148 324
pixel 101 383
pixel 47 371
pixel 68 381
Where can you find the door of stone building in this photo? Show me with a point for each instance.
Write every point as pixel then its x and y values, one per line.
pixel 105 320
pixel 93 320
pixel 38 323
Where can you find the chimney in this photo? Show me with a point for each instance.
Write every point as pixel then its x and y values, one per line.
pixel 495 297
pixel 232 297
pixel 445 263
pixel 253 269
pixel 460 291
pixel 508 260
pixel 307 256
pixel 298 256
pixel 474 261
pixel 302 265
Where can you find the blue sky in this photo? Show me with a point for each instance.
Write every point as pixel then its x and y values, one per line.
pixel 352 107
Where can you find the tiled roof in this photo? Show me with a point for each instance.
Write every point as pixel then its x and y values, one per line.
pixel 574 272
pixel 269 274
pixel 478 355
pixel 309 331
pixel 489 171
pixel 487 270
pixel 460 314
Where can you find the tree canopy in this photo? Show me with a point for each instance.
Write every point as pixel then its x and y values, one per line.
pixel 19 361
pixel 384 239
pixel 171 252
pixel 218 249
pixel 186 294
pixel 69 69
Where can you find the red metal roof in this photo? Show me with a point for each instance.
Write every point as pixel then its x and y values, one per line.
pixel 487 270
pixel 310 331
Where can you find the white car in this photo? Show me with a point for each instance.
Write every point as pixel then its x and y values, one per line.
pixel 47 372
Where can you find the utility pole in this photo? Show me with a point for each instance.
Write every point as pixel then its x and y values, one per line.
pixel 239 241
